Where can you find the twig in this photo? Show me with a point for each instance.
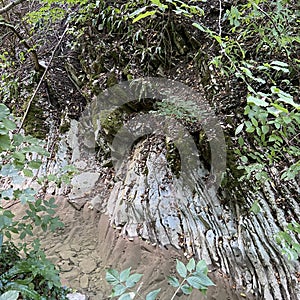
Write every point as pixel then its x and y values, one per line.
pixel 220 16
pixel 42 78
pixel 10 6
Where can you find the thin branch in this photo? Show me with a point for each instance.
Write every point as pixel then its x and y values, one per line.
pixel 42 78
pixel 30 49
pixel 10 6
pixel 220 18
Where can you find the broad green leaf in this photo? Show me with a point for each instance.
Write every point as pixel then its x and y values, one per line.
pixel 118 290
pixel 127 296
pixel 201 28
pixel 138 11
pixel 173 281
pixel 4 111
pixel 124 275
pixel 265 129
pixel 133 279
pixel 278 107
pixel 191 265
pixel 202 267
pixel 279 63
pixel 27 173
pixel 203 279
pixel 112 276
pixel 4 142
pixel 181 269
pixel 186 289
pixel 290 253
pixel 10 125
pixel 239 129
pixel 144 15
pixel 195 282
pixel 10 295
pixel 35 164
pixel 152 295
pixel 257 101
pixel 254 122
pixel 19 156
pixel 255 208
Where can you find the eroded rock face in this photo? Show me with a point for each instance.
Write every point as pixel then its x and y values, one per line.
pixel 150 202
pixel 146 199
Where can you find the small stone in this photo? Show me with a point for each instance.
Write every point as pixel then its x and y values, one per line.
pixel 74 273
pixel 88 265
pixel 66 254
pixel 75 247
pixel 84 281
pixel 65 266
pixel 76 296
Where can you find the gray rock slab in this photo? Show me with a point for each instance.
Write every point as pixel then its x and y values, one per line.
pixel 83 184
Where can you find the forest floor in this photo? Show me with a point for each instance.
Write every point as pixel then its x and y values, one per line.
pixel 87 246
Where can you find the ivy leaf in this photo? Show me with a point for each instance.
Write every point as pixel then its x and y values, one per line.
pixel 152 295
pixel 181 269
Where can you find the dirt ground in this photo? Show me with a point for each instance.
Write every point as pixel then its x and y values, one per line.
pixel 88 245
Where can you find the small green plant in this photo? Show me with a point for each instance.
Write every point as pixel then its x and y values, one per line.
pixel 30 275
pixel 289 246
pixel 191 276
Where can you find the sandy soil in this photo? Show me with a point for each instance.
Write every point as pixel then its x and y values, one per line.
pixel 88 245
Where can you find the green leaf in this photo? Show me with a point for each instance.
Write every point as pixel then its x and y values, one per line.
pixel 279 63
pixel 255 208
pixel 9 125
pixel 173 281
pixel 19 156
pixel 257 101
pixel 201 28
pixel 152 295
pixel 186 289
pixel 138 11
pixel 202 267
pixel 4 142
pixel 35 164
pixel 200 280
pixel 133 279
pixel 181 269
pixel 144 15
pixel 27 173
pixel 191 265
pixel 239 129
pixel 127 296
pixel 112 276
pixel 195 282
pixel 4 111
pixel 124 275
pixel 118 290
pixel 10 295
